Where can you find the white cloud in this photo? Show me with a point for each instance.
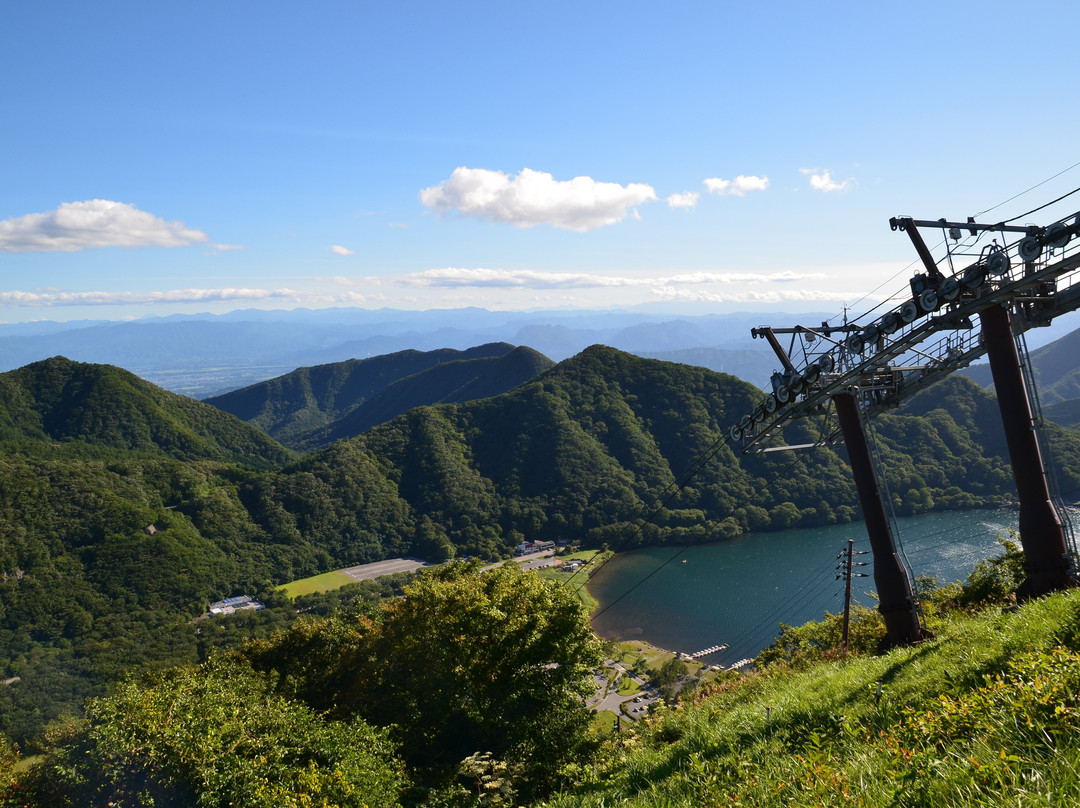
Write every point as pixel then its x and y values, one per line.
pixel 452 277
pixel 93 223
pixel 821 180
pixel 685 200
pixel 536 197
pixel 736 187
pixel 337 249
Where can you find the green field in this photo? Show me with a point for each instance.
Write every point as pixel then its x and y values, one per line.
pixel 577 580
pixel 316 583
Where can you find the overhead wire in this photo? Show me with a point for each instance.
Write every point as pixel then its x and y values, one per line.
pixel 819 583
pixel 696 466
pixel 892 278
pixel 1029 190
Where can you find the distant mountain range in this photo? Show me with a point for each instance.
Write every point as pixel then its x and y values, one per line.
pixel 210 355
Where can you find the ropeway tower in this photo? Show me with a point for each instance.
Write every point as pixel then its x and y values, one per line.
pixel 845 374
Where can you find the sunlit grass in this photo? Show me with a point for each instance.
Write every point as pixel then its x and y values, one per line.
pixel 985 713
pixel 317 583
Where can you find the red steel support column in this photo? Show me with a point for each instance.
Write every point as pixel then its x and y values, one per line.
pixel 1046 556
pixel 897 604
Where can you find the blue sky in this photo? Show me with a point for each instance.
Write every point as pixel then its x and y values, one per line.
pixel 188 157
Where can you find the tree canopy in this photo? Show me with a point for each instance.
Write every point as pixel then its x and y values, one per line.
pixel 498 662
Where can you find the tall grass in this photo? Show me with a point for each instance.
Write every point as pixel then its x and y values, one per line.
pixel 985 713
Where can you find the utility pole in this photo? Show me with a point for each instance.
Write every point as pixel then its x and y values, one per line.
pixel 846 574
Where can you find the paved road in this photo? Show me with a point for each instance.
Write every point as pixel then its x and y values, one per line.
pixel 365 572
pixel 529 562
pixel 613 701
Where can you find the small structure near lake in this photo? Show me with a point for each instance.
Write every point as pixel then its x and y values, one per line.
pixel 232 605
pixel 530 547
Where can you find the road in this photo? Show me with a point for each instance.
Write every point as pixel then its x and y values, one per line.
pixel 365 572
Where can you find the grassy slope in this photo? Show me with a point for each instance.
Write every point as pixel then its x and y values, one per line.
pixel 953 727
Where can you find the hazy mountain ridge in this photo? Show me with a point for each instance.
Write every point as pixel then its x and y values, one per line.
pixel 451 382
pixel 207 355
pixel 313 407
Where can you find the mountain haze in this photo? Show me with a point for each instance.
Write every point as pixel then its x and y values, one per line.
pixel 206 355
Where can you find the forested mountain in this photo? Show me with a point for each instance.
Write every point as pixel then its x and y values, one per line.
pixel 315 406
pixel 1057 371
pixel 93 456
pixel 57 400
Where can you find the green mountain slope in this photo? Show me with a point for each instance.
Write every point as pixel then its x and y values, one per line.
pixel 1055 366
pixel 57 400
pixel 294 407
pixel 447 382
pixel 92 456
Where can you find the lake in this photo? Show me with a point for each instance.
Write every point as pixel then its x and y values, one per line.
pixel 737 592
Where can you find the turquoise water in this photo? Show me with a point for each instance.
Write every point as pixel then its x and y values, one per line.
pixel 737 592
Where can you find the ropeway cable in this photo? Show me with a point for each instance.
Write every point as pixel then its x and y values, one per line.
pixel 697 466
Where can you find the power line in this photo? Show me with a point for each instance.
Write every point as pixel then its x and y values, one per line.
pixel 680 551
pixel 1029 190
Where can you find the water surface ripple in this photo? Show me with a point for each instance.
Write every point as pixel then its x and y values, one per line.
pixel 737 592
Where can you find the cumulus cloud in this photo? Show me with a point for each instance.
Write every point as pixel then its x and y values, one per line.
pixel 337 249
pixel 453 277
pixel 93 223
pixel 685 200
pixel 821 180
pixel 535 197
pixel 739 186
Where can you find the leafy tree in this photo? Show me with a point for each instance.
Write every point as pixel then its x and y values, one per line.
pixel 212 736
pixel 995 579
pixel 817 639
pixel 497 662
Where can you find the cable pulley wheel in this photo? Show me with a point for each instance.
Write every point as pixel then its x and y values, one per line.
pixel 783 395
pixel 973 277
pixel 890 322
pixel 771 404
pixel 826 363
pixel 812 373
pixel 997 263
pixel 1029 249
pixel 855 343
pixel 929 300
pixel 1057 235
pixel 950 290
pixel 908 312
pixel 736 434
